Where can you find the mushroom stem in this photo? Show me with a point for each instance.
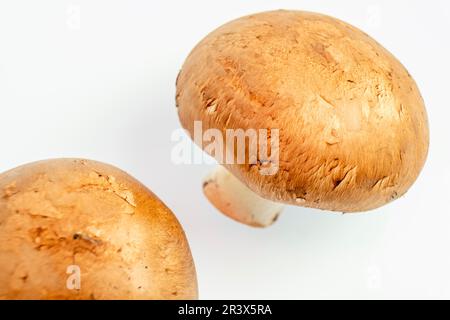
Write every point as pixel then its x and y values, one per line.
pixel 234 199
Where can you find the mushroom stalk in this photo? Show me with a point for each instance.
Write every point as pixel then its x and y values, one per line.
pixel 234 199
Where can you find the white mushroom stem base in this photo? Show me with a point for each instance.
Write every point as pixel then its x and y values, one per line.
pixel 234 199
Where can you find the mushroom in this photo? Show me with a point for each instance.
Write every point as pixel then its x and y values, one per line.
pixel 352 126
pixel 80 229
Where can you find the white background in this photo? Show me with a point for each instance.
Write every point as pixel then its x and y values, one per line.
pixel 96 79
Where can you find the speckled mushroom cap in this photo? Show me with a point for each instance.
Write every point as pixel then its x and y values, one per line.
pixel 60 213
pixel 353 127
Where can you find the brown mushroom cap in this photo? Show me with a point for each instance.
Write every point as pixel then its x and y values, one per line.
pixel 68 212
pixel 353 126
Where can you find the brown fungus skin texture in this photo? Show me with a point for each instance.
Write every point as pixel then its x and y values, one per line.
pixel 63 212
pixel 353 126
